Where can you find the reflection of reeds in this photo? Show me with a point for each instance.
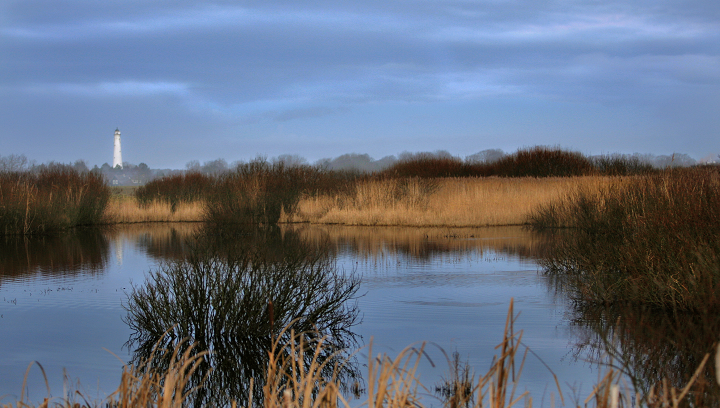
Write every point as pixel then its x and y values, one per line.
pixel 78 251
pixel 652 346
pixel 424 243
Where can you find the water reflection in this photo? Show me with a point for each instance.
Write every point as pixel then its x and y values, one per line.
pixel 651 346
pixel 77 251
pixel 233 293
pixel 170 242
pixel 424 244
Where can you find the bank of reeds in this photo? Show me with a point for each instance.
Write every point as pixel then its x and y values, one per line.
pixel 54 198
pixel 127 210
pixel 649 240
pixel 422 190
pixel 451 202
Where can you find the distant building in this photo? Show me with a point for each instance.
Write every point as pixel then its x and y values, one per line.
pixel 117 155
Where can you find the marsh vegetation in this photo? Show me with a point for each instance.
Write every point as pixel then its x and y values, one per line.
pixel 648 240
pixel 50 199
pixel 269 319
pixel 238 302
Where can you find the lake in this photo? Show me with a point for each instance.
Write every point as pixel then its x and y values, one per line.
pixel 64 301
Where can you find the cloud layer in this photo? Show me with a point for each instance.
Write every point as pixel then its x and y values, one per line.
pixel 198 80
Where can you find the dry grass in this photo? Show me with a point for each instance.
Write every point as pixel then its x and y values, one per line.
pixel 125 209
pixel 415 202
pixel 450 202
pixel 295 379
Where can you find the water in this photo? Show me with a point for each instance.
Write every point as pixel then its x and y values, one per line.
pixel 63 301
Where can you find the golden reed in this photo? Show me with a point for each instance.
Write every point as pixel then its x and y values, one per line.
pixel 448 202
pixel 453 202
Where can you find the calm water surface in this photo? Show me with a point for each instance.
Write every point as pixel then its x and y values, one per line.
pixel 62 301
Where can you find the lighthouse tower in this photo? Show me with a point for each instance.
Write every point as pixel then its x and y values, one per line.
pixel 117 155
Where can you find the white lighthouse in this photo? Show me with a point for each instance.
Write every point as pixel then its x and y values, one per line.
pixel 117 155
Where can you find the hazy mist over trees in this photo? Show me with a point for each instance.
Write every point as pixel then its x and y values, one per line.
pixel 132 174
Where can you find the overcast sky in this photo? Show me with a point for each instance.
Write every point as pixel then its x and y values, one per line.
pixel 188 80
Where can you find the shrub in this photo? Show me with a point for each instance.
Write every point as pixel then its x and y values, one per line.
pixel 175 189
pixel 540 162
pixel 259 192
pixel 426 165
pixel 54 198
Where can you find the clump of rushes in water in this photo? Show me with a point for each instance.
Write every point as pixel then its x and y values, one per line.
pixel 218 297
pixel 649 240
pixel 54 198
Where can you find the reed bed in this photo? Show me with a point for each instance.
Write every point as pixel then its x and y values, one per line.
pixel 648 240
pixel 54 198
pixel 127 210
pixel 449 202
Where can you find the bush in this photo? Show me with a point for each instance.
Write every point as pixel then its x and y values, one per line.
pixel 429 166
pixel 175 189
pixel 259 192
pixel 540 162
pixel 53 198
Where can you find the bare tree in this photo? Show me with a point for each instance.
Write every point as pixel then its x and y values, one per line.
pixel 13 162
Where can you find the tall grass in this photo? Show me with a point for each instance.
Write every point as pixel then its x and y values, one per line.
pixel 127 210
pixel 648 240
pixel 54 198
pixel 452 202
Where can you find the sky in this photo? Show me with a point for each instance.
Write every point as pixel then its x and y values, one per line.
pixel 189 80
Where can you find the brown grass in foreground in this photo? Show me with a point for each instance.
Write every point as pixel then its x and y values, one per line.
pixel 391 383
pixel 449 202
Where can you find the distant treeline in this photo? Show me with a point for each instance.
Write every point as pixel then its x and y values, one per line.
pixel 363 163
pixel 437 164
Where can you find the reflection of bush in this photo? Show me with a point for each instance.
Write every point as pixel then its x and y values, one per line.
pixel 234 299
pixel 80 250
pixel 652 346
pixel 170 242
